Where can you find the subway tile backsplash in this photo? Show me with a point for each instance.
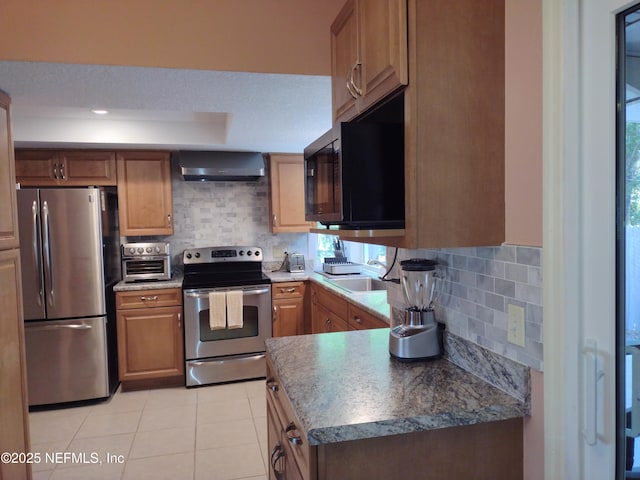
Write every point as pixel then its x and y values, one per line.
pixel 479 285
pixel 210 214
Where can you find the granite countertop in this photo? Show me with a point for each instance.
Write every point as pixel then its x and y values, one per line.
pixel 345 386
pixel 374 302
pixel 175 282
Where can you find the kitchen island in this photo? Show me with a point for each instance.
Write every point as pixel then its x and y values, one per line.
pixel 341 407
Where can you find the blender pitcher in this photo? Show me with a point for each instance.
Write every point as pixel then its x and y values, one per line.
pixel 420 285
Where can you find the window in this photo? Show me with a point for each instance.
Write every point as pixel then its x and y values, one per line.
pixel 323 247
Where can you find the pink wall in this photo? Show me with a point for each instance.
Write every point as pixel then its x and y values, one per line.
pixel 523 174
pixel 523 132
pixel 269 36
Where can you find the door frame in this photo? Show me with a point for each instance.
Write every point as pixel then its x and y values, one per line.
pixel 579 232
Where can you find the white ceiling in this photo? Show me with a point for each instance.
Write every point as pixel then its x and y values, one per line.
pixel 164 108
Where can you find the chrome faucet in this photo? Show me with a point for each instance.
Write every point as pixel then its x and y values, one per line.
pixel 376 262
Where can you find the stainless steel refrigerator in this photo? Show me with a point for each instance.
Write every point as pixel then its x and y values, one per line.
pixel 70 262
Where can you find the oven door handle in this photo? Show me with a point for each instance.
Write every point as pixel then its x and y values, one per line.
pixel 205 294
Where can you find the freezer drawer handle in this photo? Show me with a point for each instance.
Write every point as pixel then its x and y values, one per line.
pixel 59 327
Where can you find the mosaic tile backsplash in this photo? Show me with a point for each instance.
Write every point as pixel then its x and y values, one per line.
pixel 479 285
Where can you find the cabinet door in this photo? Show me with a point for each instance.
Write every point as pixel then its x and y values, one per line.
pixel 150 343
pixel 344 61
pixel 80 168
pixel 144 193
pixel 360 319
pixel 287 194
pixel 325 321
pixel 8 209
pixel 382 28
pixel 37 168
pixel 288 317
pixel 14 420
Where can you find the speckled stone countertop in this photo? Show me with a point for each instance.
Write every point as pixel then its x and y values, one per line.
pixel 374 302
pixel 345 386
pixel 175 282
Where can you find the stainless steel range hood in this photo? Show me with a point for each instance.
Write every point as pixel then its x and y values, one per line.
pixel 220 165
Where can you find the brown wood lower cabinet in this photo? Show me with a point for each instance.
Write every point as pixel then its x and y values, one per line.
pixel 331 313
pixel 483 451
pixel 289 304
pixel 150 337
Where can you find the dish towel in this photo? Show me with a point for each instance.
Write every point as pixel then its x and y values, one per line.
pixel 217 313
pixel 234 309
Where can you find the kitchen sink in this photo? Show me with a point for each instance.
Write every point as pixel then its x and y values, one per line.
pixel 363 284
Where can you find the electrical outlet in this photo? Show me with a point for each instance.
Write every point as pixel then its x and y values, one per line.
pixel 279 251
pixel 515 325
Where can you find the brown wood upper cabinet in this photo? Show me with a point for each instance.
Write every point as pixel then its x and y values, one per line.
pixel 51 168
pixel 144 193
pixel 286 173
pixel 368 54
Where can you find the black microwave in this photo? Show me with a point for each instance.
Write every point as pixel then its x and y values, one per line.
pixel 354 176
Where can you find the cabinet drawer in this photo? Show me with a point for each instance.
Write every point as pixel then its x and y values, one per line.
pixel 331 302
pixel 287 290
pixel 361 319
pixel 293 435
pixel 166 297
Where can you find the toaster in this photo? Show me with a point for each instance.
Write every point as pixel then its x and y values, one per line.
pixel 295 262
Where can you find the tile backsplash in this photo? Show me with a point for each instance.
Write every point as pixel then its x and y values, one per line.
pixel 479 285
pixel 226 213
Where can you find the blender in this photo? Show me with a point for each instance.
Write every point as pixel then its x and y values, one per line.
pixel 419 337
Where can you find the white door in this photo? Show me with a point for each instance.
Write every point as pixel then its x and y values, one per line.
pixel 580 239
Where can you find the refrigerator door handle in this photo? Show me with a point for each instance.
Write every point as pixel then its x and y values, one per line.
pixel 47 250
pixel 37 267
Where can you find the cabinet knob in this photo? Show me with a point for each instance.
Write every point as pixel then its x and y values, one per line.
pixel 295 439
pixel 273 386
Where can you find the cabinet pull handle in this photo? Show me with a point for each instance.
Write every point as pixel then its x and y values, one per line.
pixel 149 299
pixel 294 439
pixel 179 320
pixel 287 290
pixel 275 220
pixel 357 319
pixel 349 77
pixel 328 321
pixel 273 386
pixel 276 454
pixel 169 220
pixel 55 171
pixel 356 89
pixel 62 171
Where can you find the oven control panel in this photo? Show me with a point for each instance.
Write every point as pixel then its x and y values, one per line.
pixel 221 254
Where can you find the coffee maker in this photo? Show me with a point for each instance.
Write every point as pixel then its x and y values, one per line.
pixel 419 337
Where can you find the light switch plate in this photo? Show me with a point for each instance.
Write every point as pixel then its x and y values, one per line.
pixel 515 325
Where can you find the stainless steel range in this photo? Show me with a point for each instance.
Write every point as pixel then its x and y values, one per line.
pixel 227 314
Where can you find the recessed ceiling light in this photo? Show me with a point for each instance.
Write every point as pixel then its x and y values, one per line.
pixel 100 111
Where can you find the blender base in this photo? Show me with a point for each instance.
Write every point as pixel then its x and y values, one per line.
pixel 416 343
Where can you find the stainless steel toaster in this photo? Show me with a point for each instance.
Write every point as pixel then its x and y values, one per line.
pixel 295 262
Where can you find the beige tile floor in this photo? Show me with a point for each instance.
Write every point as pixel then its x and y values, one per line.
pixel 217 432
